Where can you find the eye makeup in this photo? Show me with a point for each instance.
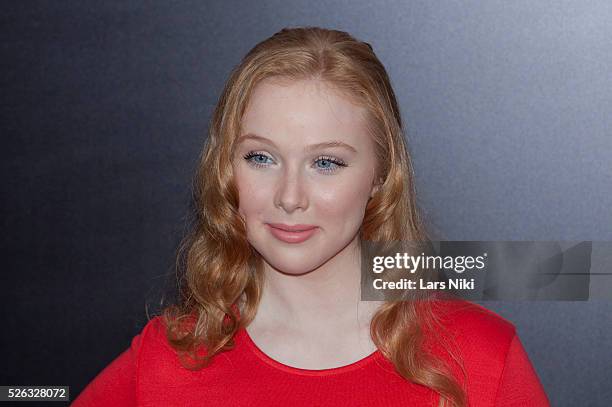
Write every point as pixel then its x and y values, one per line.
pixel 335 164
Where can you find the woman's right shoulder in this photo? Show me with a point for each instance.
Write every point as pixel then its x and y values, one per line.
pixel 154 338
pixel 157 360
pixel 119 382
pixel 150 340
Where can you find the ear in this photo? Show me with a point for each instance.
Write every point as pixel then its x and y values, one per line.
pixel 375 188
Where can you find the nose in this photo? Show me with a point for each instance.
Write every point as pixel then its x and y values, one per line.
pixel 291 192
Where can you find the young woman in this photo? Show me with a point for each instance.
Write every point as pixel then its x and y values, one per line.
pixel 305 160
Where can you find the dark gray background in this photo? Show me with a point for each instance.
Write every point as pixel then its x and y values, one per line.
pixel 105 106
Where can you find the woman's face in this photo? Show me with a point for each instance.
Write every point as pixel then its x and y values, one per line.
pixel 286 175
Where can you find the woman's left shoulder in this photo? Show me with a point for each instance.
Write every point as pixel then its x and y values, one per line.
pixel 473 326
pixel 486 347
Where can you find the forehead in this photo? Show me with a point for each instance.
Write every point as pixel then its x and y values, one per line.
pixel 307 110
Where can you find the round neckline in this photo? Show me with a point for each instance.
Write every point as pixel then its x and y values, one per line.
pixel 305 372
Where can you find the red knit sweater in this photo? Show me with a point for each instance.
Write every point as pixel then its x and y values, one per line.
pixel 148 373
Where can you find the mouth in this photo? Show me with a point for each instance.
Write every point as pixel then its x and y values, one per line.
pixel 292 228
pixel 299 234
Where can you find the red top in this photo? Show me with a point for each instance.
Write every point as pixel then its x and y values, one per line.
pixel 149 373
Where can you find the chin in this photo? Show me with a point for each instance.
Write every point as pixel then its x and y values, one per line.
pixel 294 267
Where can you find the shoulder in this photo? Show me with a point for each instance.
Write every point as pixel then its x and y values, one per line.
pixel 151 345
pixel 468 333
pixel 490 354
pixel 158 363
pixel 153 337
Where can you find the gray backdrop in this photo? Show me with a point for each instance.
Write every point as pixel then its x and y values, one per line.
pixel 105 106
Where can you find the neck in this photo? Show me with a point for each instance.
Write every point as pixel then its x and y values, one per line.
pixel 322 299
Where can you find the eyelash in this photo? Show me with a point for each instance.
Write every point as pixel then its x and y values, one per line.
pixel 338 162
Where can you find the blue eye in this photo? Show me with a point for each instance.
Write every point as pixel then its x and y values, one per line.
pixel 334 163
pixel 330 164
pixel 251 155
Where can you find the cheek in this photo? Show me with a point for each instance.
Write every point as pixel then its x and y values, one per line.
pixel 343 203
pixel 250 194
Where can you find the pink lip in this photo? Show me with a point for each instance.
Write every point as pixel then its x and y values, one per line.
pixel 292 228
pixel 293 233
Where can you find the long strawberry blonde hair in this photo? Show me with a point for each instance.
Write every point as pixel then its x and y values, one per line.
pixel 222 275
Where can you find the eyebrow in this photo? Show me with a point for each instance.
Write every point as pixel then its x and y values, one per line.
pixel 333 143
